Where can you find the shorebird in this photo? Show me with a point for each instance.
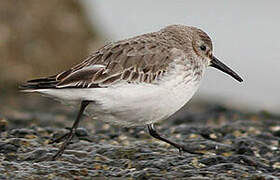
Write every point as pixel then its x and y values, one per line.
pixel 136 81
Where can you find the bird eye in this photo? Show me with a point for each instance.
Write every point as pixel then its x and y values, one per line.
pixel 203 48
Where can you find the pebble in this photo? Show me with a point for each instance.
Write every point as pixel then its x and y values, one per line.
pixel 239 149
pixel 3 124
pixel 81 132
pixel 7 147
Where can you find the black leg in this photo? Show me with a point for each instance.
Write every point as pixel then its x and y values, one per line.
pixel 156 135
pixel 69 135
pixel 57 140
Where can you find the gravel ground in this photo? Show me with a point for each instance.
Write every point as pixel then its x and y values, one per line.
pixel 234 144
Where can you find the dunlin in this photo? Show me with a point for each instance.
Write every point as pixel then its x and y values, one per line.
pixel 136 81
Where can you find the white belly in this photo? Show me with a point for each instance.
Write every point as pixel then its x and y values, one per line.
pixel 139 104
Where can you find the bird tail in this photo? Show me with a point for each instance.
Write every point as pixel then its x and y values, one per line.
pixel 37 84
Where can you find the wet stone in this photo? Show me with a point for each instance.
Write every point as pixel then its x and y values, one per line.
pixel 22 132
pixel 3 124
pixel 276 133
pixel 7 147
pixel 233 145
pixel 243 147
pixel 81 132
pixel 36 155
pixel 213 160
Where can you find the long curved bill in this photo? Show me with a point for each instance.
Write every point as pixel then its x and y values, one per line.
pixel 221 66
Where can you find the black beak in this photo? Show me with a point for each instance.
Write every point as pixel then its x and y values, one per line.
pixel 221 66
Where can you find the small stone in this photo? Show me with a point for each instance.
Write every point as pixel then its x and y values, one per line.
pixel 97 166
pixel 227 141
pixel 254 131
pixel 3 124
pixel 30 136
pixel 106 127
pixel 276 165
pixel 227 154
pixel 213 136
pixel 122 137
pixel 213 160
pixel 243 147
pixel 84 172
pixel 275 128
pixel 22 132
pixel 36 154
pixel 194 136
pixel 81 132
pixel 237 133
pixel 276 133
pixel 7 147
pixel 196 163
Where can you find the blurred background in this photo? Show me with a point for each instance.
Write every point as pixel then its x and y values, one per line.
pixel 39 38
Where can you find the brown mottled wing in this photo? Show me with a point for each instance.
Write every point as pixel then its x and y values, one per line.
pixel 140 59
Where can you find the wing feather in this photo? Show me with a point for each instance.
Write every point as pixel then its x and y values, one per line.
pixel 134 60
